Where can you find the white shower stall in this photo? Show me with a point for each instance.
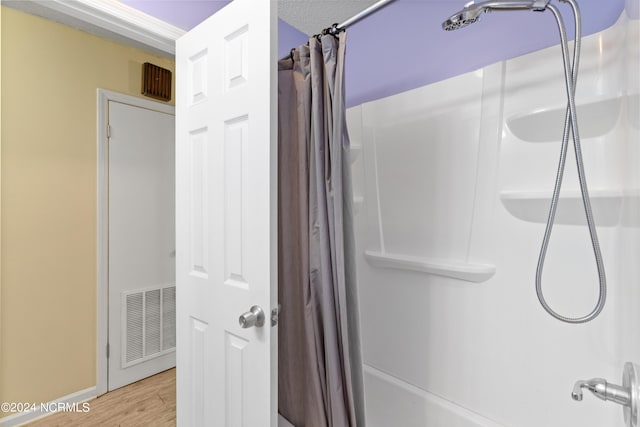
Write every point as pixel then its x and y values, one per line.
pixel 452 186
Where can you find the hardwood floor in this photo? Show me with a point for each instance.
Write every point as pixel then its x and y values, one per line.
pixel 149 402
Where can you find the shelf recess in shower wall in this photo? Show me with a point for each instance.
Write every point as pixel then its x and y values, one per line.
pixel 533 206
pixel 597 118
pixel 469 272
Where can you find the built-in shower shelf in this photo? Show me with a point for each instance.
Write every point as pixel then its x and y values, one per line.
pixel 596 119
pixel 533 206
pixel 469 272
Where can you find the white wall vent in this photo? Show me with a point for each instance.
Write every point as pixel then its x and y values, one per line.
pixel 169 318
pixel 149 324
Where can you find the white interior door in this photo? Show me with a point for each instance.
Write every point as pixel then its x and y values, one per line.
pixel 226 162
pixel 141 243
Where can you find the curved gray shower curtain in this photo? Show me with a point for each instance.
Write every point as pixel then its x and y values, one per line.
pixel 320 364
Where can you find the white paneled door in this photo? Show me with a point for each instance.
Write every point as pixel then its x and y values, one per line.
pixel 226 218
pixel 141 165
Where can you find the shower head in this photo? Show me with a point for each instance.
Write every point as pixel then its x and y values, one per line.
pixel 467 16
pixel 472 11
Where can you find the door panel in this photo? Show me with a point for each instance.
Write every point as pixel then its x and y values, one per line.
pixel 141 243
pixel 226 217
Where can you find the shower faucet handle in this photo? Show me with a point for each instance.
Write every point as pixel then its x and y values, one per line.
pixel 602 390
pixel 627 395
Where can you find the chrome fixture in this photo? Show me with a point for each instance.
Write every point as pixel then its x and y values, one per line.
pixel 472 11
pixel 470 14
pixel 625 395
pixel 602 390
pixel 336 28
pixel 254 317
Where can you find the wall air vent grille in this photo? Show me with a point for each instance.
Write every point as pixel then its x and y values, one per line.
pixel 169 318
pixel 134 327
pixel 149 327
pixel 156 82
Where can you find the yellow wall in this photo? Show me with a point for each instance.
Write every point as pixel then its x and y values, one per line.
pixel 50 73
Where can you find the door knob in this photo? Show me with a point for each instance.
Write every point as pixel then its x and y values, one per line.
pixel 253 317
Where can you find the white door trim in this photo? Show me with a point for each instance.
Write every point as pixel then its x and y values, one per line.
pixel 102 294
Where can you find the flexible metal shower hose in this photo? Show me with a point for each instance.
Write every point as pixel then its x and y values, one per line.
pixel 571 123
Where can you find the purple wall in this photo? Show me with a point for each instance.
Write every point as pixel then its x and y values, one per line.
pixel 289 37
pixel 184 14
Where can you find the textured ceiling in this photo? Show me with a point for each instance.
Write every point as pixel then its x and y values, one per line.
pixel 311 16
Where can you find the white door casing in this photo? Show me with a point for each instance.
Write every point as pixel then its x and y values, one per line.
pixel 141 263
pixel 226 217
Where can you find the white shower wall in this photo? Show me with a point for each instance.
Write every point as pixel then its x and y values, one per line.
pixel 452 184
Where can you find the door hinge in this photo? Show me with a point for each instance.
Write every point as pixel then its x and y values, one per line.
pixel 108 350
pixel 108 131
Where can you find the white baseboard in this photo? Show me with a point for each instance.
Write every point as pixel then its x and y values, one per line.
pixel 22 418
pixel 390 401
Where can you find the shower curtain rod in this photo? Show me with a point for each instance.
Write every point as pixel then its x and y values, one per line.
pixel 336 28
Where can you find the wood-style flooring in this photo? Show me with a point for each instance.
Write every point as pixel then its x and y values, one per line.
pixel 149 402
